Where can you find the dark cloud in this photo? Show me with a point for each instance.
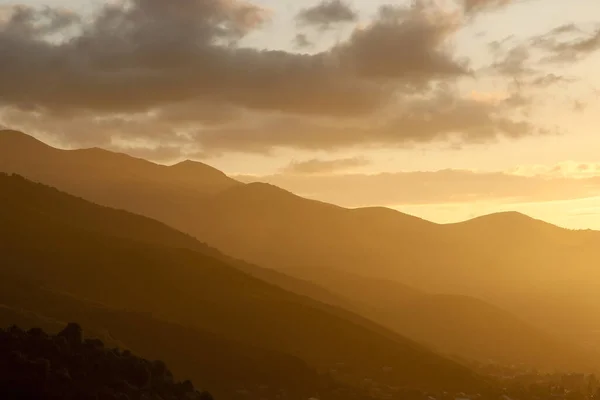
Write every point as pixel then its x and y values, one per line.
pixel 153 53
pixel 301 41
pixel 152 74
pixel 475 6
pixel 407 44
pixel 317 166
pixel 327 13
pixel 443 116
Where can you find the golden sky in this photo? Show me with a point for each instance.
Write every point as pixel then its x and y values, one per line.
pixel 446 109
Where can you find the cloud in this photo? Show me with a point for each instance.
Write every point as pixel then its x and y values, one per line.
pixel 567 43
pixel 514 63
pixel 163 74
pixel 527 61
pixel 440 187
pixel 405 44
pixel 317 166
pixel 301 41
pixel 441 116
pixel 475 6
pixel 573 50
pixel 551 79
pixel 118 62
pixel 327 13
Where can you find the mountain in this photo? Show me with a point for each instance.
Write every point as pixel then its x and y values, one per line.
pixel 540 272
pixel 112 179
pixel 42 244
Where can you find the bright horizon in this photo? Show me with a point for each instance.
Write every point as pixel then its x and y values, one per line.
pixel 444 112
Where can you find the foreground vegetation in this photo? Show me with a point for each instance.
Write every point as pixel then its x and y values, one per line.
pixel 35 365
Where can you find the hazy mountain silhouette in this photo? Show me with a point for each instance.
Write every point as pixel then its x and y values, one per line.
pixel 42 244
pixel 538 270
pixel 453 324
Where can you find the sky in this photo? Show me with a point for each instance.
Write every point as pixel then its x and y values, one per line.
pixel 445 109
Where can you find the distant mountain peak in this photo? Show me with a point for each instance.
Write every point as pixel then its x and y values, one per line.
pixel 195 166
pixel 508 216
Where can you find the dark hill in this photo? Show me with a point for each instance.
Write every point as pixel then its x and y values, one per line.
pixel 193 289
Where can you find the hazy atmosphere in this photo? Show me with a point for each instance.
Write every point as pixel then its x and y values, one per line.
pixel 299 200
pixel 442 109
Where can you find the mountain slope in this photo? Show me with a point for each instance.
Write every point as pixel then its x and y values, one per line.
pixel 453 324
pixel 538 271
pixel 190 288
pixel 211 361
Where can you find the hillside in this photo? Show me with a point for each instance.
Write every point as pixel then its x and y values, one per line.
pixel 196 290
pixel 540 272
pixel 210 361
pixel 455 325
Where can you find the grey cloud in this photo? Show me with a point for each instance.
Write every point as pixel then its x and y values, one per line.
pixel 327 13
pixel 156 53
pixel 174 74
pixel 317 166
pixel 514 63
pixel 475 6
pixel 550 79
pixel 121 63
pixel 567 43
pixel 301 41
pixel 405 43
pixel 26 21
pixel 443 116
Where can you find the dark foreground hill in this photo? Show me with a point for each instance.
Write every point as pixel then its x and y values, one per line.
pixel 37 366
pixel 42 242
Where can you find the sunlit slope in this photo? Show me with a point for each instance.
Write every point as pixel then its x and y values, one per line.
pixel 191 288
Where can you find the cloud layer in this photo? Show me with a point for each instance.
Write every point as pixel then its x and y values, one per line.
pixel 150 75
pixel 564 181
pixel 327 13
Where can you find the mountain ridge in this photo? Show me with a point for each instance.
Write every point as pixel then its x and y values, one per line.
pixel 276 229
pixel 189 288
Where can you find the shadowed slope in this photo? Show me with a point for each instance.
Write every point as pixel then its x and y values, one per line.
pixel 190 288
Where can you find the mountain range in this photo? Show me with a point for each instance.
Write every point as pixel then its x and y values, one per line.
pixel 43 247
pixel 481 289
